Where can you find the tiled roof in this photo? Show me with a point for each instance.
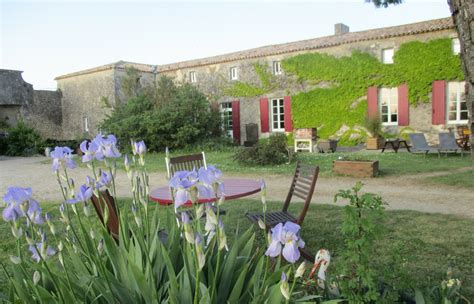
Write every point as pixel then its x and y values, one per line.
pixel 120 65
pixel 316 43
pixel 277 49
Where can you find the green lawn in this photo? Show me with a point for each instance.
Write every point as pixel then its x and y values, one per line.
pixel 390 164
pixel 463 179
pixel 426 243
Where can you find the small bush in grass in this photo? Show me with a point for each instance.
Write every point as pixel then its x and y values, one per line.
pixel 23 141
pixel 268 151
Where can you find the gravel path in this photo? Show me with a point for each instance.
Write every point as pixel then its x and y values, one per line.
pixel 403 192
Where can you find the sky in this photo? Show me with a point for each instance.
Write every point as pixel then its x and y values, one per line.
pixel 46 39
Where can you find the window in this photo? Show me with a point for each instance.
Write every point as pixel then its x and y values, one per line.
pixel 456 46
pixel 226 116
pixel 86 124
pixel 387 56
pixel 234 73
pixel 192 76
pixel 388 102
pixel 276 67
pixel 278 115
pixel 457 108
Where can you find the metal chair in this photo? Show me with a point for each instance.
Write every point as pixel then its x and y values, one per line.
pixel 419 144
pixel 447 144
pixel 302 186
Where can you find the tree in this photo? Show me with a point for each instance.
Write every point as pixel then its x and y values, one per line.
pixel 462 13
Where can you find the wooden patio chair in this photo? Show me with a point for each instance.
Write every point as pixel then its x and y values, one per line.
pixel 99 205
pixel 113 221
pixel 302 186
pixel 185 162
pixel 188 163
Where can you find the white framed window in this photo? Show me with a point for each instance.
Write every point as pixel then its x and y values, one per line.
pixel 456 102
pixel 192 76
pixel 388 106
pixel 234 73
pixel 278 115
pixel 277 68
pixel 387 56
pixel 456 46
pixel 86 124
pixel 226 116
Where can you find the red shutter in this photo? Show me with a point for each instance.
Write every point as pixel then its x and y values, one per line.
pixel 264 122
pixel 287 111
pixel 236 121
pixel 372 102
pixel 438 102
pixel 403 106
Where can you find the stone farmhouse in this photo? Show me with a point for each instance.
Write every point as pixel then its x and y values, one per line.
pixel 253 87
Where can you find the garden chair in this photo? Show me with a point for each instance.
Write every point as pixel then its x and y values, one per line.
pixel 113 220
pixel 419 144
pixel 447 144
pixel 302 187
pixel 188 163
pixel 184 162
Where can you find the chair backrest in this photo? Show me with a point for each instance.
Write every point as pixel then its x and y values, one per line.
pixel 418 141
pixel 447 141
pixel 302 187
pixel 99 204
pixel 185 162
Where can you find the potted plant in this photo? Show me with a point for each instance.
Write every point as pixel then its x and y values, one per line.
pixel 375 141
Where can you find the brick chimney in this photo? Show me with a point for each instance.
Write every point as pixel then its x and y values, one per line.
pixel 340 28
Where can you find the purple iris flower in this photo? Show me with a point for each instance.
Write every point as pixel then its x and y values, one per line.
pixel 17 195
pixel 286 237
pixel 210 175
pixel 41 248
pixel 62 158
pixel 139 148
pixel 83 195
pixel 92 150
pixel 109 145
pixel 182 182
pixel 105 180
pixel 185 218
pixel 14 198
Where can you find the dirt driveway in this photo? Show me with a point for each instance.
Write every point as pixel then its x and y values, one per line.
pixel 400 192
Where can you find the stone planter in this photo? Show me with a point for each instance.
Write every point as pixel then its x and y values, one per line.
pixel 374 143
pixel 327 145
pixel 356 168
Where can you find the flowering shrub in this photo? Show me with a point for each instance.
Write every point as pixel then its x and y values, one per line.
pixel 179 260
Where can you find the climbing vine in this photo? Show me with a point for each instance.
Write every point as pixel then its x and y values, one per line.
pixel 340 101
pixel 243 89
pixel 416 63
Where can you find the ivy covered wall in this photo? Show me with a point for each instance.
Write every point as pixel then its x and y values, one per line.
pixel 416 63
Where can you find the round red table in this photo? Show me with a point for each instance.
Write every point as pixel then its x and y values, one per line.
pixel 233 189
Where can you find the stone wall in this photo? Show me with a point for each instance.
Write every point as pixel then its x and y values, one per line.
pixel 83 99
pixel 45 114
pixel 212 79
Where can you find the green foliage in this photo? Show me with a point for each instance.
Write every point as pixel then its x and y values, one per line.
pixel 360 229
pixel 131 85
pixel 175 117
pixel 243 89
pixel 23 141
pixel 268 151
pixel 416 63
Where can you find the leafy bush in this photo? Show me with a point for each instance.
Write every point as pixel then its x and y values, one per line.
pixel 268 151
pixel 22 141
pixel 172 116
